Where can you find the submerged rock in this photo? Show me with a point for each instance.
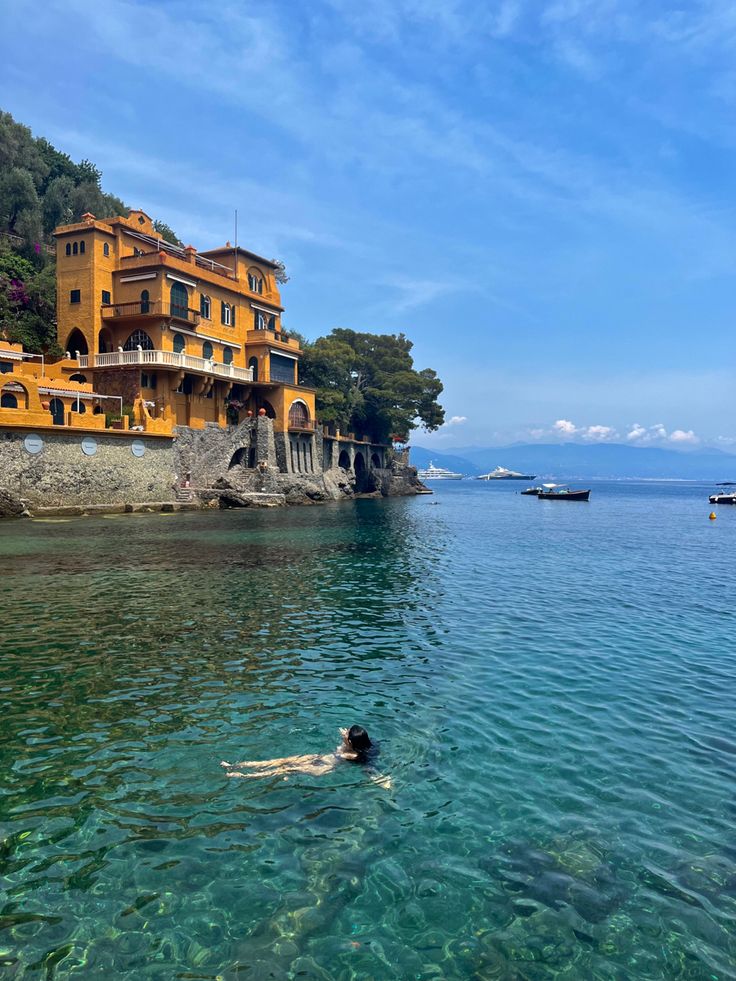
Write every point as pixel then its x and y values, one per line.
pixel 12 506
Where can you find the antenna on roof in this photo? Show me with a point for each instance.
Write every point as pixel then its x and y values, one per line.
pixel 235 250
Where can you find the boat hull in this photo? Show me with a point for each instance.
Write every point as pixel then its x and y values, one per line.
pixel 577 495
pixel 722 498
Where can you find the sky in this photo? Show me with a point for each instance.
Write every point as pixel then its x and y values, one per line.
pixel 540 195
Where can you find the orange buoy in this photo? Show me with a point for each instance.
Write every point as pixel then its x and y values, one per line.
pixel 712 515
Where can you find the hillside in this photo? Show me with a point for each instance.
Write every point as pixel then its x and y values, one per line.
pixel 577 460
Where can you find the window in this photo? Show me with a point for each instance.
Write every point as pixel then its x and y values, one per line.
pixel 207 351
pixel 75 296
pixel 145 301
pixel 81 248
pixel 75 249
pixel 282 369
pixel 185 388
pixel 8 401
pixel 139 338
pixel 253 365
pixel 148 381
pixel 179 301
pixel 6 367
pixel 227 355
pixel 255 282
pixel 68 248
pixel 106 297
pixel 78 406
pixel 137 251
pixel 227 314
pixel 232 315
pixel 179 344
pixel 298 415
pixel 205 306
pixel 106 249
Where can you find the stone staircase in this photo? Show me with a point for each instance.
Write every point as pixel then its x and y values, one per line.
pixel 184 495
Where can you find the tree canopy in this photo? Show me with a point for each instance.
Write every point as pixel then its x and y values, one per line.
pixel 41 188
pixel 367 384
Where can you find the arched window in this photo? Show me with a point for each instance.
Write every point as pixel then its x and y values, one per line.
pixel 68 248
pixel 253 365
pixel 75 248
pixel 78 406
pixel 78 378
pixel 227 355
pixel 298 415
pixel 179 301
pixel 205 306
pixel 207 351
pixel 8 400
pixel 145 301
pixel 226 313
pixel 139 338
pixel 106 249
pixel 255 281
pixel 179 344
pixel 81 248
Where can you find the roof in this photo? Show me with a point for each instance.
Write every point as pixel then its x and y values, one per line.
pixel 227 249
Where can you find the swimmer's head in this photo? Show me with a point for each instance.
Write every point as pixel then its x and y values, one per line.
pixel 358 739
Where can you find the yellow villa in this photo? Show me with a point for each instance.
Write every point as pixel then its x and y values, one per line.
pixel 193 338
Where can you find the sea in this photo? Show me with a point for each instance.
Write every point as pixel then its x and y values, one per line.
pixel 549 685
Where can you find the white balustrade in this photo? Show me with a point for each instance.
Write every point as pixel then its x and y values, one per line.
pixel 172 359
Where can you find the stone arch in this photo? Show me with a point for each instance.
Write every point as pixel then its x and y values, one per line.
pixel 344 460
pixel 238 457
pixel 76 342
pixel 376 462
pixel 359 464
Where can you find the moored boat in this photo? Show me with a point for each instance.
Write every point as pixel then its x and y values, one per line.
pixel 532 491
pixel 438 473
pixel 725 496
pixel 559 492
pixel 501 473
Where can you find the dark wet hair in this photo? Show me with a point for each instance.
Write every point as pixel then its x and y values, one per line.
pixel 359 739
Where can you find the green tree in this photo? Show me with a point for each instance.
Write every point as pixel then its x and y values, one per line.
pixel 367 383
pixel 17 195
pixel 166 232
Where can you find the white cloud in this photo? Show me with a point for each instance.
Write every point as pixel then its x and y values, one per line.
pixel 600 433
pixel 636 432
pixel 683 436
pixel 565 427
pixel 456 421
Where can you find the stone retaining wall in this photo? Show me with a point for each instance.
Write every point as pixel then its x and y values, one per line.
pixel 52 469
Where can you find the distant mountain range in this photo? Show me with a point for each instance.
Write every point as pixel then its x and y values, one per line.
pixel 574 460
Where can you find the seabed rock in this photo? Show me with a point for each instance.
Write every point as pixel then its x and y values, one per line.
pixel 11 506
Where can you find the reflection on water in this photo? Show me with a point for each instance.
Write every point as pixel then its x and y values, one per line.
pixel 551 689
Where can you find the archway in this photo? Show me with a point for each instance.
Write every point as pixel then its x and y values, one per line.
pixel 179 301
pixel 77 342
pixel 145 301
pixel 376 461
pixel 78 406
pixel 359 464
pixel 78 378
pixel 270 411
pixel 14 396
pixel 238 457
pixel 57 412
pixel 8 400
pixel 344 460
pixel 104 342
pixel 253 365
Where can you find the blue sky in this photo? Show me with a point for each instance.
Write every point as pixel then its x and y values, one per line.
pixel 540 195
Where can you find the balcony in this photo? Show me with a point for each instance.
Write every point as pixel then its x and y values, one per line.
pixel 165 359
pixel 265 336
pixel 151 308
pixel 302 425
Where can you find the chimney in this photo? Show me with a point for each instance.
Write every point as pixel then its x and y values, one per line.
pixel 189 254
pixel 88 217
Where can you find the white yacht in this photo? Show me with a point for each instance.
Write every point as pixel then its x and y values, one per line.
pixel 501 473
pixel 437 473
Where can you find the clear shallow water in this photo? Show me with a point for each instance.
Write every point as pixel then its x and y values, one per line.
pixel 552 685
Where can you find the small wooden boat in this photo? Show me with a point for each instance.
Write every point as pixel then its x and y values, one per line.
pixel 558 492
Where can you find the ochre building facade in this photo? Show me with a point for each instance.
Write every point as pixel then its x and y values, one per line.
pixel 189 338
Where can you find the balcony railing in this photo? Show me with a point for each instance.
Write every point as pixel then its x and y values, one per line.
pixel 166 359
pixel 302 425
pixel 150 308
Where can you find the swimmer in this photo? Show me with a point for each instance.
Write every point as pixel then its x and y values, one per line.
pixel 355 746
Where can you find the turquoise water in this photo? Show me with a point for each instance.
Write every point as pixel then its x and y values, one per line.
pixel 552 685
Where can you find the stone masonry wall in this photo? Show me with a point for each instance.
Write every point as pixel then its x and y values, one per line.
pixel 62 474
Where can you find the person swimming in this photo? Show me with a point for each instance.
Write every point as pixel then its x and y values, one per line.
pixel 355 746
